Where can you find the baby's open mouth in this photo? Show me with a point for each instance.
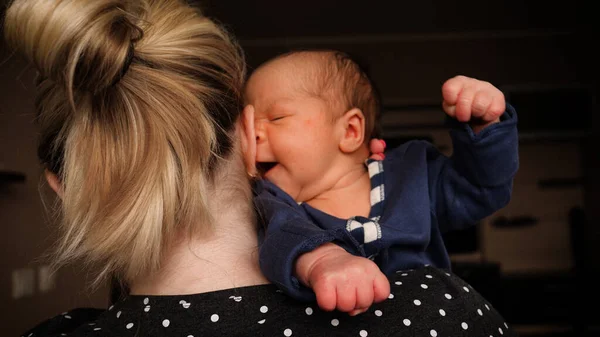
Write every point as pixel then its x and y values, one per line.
pixel 264 167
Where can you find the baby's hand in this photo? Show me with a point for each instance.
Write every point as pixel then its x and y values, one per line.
pixel 341 280
pixel 377 149
pixel 474 101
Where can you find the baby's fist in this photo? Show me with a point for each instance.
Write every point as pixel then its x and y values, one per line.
pixel 341 280
pixel 474 101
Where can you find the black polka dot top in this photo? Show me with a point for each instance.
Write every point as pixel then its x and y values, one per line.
pixel 427 302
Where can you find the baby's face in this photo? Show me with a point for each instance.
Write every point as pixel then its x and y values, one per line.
pixel 296 138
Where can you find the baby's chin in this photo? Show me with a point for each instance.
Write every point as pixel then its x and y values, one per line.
pixel 284 182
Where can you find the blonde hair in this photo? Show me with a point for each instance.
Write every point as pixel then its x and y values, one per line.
pixel 137 103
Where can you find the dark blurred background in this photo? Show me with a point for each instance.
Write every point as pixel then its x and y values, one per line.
pixel 536 260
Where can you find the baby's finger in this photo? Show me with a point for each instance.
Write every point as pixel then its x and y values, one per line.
pixel 381 288
pixel 497 107
pixel 364 296
pixel 346 298
pixel 326 295
pixel 377 145
pixel 452 88
pixel 464 103
pixel 492 114
pixel 481 103
pixel 449 109
pixel 357 311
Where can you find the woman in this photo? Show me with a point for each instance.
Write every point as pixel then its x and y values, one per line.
pixel 143 138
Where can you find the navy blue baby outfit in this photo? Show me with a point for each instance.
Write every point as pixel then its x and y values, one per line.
pixel 417 194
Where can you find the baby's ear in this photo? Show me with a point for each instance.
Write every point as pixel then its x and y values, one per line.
pixel 353 122
pixel 248 138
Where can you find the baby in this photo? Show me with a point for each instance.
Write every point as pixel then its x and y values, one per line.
pixel 336 222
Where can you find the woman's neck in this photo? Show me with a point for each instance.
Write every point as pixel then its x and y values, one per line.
pixel 228 260
pixel 223 256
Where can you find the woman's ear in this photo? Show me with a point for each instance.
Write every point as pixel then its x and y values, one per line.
pixel 353 123
pixel 248 138
pixel 54 182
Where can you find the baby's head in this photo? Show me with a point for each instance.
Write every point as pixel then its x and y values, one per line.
pixel 315 112
pixel 329 75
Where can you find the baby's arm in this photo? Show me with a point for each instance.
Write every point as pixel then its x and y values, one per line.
pixel 477 179
pixel 302 260
pixel 290 240
pixel 341 280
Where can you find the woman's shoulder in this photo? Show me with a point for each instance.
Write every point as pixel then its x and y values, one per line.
pixel 425 301
pixel 63 324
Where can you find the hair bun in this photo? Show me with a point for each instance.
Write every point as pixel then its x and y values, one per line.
pixel 79 43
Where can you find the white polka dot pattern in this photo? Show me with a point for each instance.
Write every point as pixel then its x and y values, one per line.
pixel 273 313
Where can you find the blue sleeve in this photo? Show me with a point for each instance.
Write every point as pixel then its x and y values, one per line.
pixel 477 179
pixel 286 233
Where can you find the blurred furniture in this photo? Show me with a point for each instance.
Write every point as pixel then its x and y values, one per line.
pixel 11 177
